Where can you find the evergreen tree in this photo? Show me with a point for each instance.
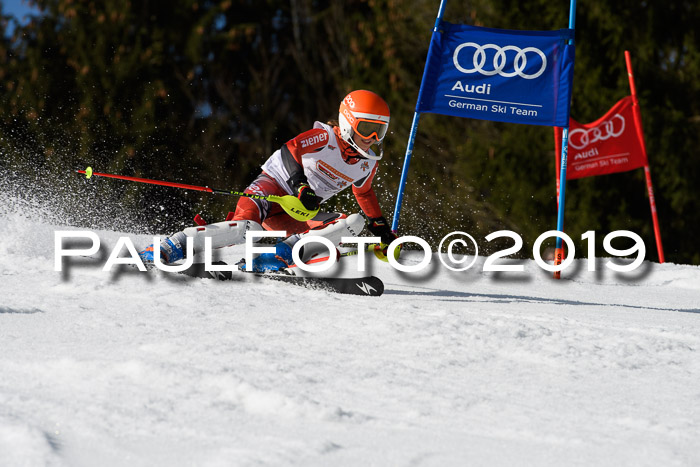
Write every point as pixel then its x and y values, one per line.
pixel 203 92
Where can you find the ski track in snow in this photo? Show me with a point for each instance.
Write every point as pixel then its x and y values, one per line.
pixel 445 368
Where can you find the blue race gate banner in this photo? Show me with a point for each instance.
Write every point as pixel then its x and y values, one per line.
pixel 500 75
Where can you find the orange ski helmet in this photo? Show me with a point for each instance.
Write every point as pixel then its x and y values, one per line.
pixel 367 114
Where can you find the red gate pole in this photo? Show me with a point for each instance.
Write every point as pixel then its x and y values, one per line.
pixel 647 172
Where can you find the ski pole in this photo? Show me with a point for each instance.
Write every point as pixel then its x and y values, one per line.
pixel 291 205
pixel 379 250
pixel 372 247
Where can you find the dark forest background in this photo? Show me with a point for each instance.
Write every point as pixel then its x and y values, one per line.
pixel 202 92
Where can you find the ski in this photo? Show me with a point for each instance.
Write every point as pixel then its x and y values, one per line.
pixel 371 286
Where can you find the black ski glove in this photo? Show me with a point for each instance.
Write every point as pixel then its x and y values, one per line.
pixel 380 228
pixel 308 197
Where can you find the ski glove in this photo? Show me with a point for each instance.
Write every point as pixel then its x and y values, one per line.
pixel 308 197
pixel 380 228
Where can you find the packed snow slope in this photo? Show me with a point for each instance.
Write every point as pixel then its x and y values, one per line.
pixel 445 369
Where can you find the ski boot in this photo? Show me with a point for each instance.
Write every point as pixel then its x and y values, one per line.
pixel 280 260
pixel 170 250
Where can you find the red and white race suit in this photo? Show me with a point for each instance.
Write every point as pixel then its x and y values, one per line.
pixel 327 171
pixel 327 162
pixel 327 167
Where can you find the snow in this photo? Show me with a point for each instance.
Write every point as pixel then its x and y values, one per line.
pixel 446 368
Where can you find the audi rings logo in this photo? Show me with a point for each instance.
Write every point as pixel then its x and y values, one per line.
pixel 581 137
pixel 500 59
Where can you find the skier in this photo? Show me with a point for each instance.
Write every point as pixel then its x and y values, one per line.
pixel 313 166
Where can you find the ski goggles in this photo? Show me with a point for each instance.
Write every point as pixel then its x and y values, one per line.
pixel 371 128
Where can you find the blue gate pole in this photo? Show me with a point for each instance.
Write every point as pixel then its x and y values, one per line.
pixel 558 254
pixel 404 171
pixel 414 126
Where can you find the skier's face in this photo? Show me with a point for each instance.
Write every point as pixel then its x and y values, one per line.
pixel 363 143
